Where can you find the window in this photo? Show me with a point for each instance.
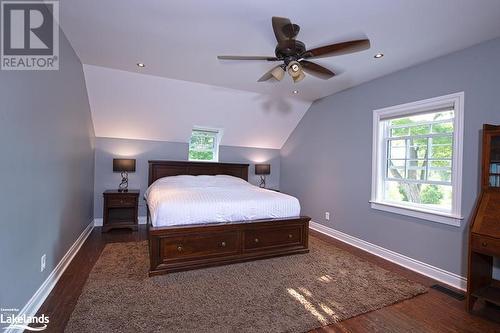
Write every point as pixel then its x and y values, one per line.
pixel 204 145
pixel 417 164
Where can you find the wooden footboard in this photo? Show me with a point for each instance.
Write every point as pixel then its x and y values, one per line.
pixel 180 248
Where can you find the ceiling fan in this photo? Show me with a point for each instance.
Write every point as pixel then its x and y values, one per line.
pixel 294 55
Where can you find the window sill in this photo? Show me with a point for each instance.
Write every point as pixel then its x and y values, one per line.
pixel 207 161
pixel 432 216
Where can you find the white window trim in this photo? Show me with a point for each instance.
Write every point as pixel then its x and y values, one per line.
pixel 455 217
pixel 217 143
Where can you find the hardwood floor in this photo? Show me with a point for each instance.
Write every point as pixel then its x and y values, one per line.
pixel 432 312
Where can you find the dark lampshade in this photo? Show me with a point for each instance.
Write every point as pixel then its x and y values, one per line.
pixel 262 169
pixel 123 164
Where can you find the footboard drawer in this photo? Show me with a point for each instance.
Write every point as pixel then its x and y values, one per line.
pixel 272 237
pixel 202 245
pixel 180 248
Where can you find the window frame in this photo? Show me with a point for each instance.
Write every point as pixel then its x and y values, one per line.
pixel 218 136
pixel 379 158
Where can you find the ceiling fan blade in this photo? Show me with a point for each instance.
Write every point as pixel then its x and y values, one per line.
pixel 284 29
pixel 316 70
pixel 338 49
pixel 247 58
pixel 273 73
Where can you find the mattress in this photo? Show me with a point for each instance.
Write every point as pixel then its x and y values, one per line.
pixel 185 200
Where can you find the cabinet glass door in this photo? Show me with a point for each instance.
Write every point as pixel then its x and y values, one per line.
pixel 495 162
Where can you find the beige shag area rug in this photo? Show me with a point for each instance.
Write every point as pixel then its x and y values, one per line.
pixel 287 294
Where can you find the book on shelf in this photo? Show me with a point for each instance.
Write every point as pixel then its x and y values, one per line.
pixel 495 168
pixel 495 181
pixel 495 174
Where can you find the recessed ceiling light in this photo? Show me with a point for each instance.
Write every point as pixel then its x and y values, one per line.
pixel 295 92
pixel 378 55
pixel 141 65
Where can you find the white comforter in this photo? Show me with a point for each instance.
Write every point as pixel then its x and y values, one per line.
pixel 182 200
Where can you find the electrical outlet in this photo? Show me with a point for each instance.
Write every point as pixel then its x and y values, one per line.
pixel 42 262
pixel 327 216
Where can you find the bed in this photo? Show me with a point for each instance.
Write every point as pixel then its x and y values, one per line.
pixel 233 221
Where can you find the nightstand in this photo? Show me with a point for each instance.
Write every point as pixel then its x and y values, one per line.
pixel 120 209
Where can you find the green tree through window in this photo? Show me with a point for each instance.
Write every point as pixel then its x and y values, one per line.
pixel 204 145
pixel 419 158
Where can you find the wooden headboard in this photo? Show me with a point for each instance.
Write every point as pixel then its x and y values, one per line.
pixel 159 169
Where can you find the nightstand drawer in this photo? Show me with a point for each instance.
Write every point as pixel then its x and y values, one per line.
pixel 121 201
pixel 485 244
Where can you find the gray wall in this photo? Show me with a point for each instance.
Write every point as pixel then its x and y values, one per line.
pixel 326 161
pixel 47 168
pixel 142 150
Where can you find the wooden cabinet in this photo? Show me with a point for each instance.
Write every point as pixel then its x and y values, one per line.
pixel 484 237
pixel 120 210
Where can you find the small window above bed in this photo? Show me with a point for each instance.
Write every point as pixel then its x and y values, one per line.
pixel 204 145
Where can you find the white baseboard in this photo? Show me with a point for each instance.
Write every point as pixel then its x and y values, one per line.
pixel 423 268
pixel 36 301
pixel 141 220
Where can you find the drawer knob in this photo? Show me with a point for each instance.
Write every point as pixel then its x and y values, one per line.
pixel 121 201
pixel 256 240
pixel 484 244
pixel 223 244
pixel 179 248
pixel 290 236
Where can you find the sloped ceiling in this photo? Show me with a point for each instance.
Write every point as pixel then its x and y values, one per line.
pixel 138 106
pixel 179 40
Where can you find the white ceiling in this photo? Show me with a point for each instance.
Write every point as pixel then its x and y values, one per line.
pixel 137 106
pixel 179 40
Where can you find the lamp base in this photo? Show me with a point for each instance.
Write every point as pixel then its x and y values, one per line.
pixel 123 187
pixel 262 181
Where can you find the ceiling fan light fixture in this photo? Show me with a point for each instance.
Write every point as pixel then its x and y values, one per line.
pixel 294 56
pixel 299 77
pixel 278 73
pixel 294 69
